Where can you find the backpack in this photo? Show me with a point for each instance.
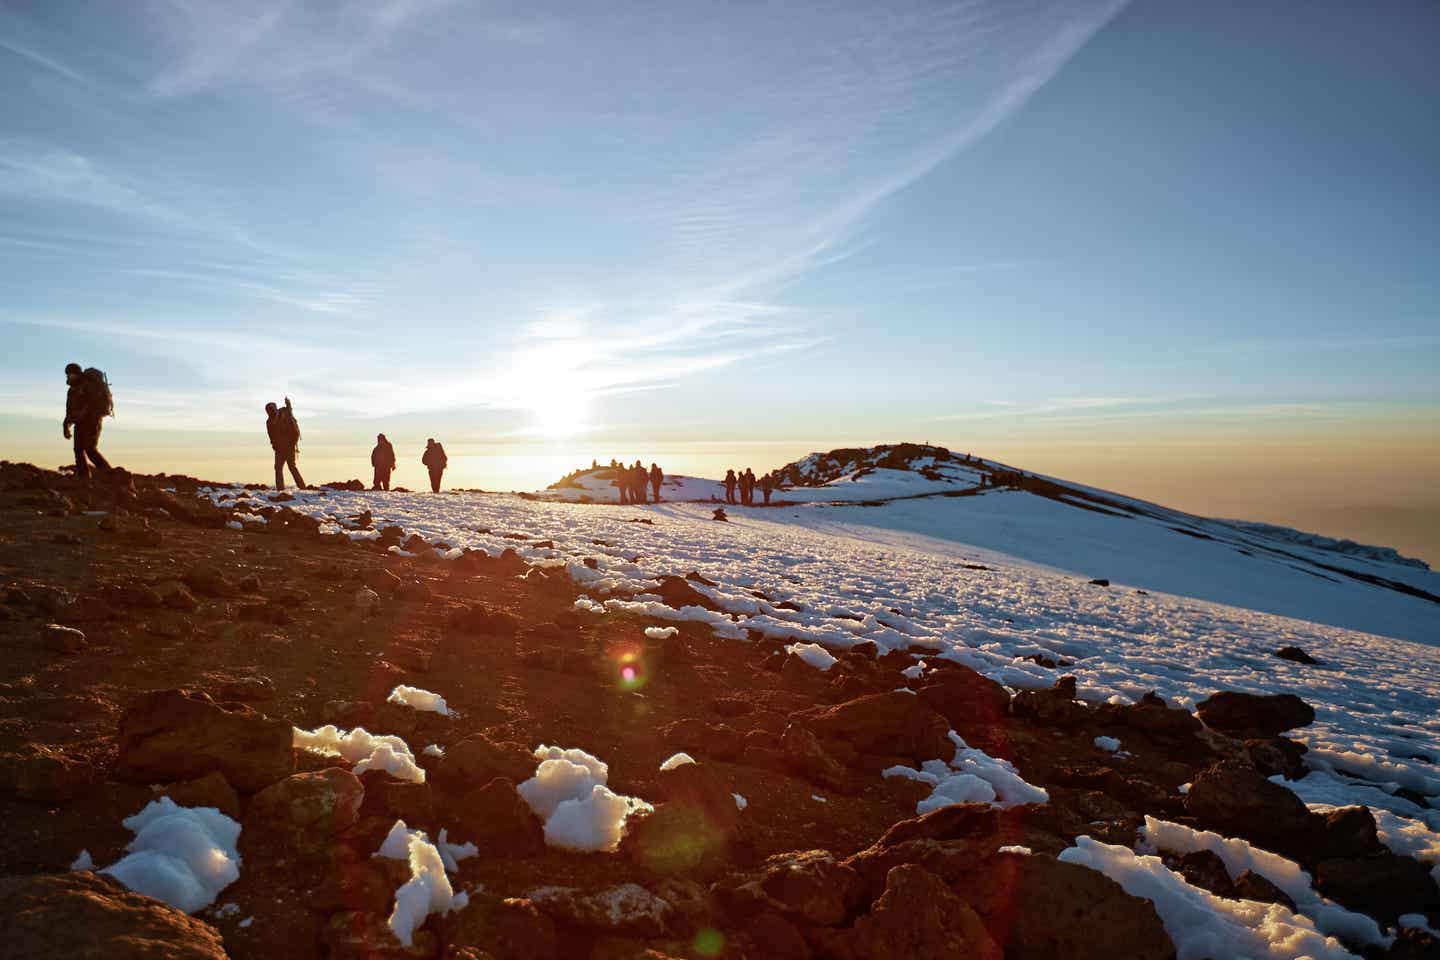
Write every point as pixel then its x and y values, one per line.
pixel 290 425
pixel 101 399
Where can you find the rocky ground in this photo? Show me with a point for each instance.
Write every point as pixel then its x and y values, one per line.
pixel 194 648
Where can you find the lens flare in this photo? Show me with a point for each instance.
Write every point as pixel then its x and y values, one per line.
pixel 630 669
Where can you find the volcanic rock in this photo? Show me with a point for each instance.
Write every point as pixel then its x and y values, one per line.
pixel 1254 715
pixel 919 917
pixel 168 735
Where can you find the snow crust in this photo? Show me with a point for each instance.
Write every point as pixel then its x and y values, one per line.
pixel 1239 856
pixel 182 855
pixel 366 750
pixel 677 760
pixel 1201 924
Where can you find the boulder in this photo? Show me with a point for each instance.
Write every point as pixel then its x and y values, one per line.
pixel 246 690
pixel 626 908
pixel 211 790
pixel 84 914
pixel 209 581
pixel 475 761
pixel 1346 832
pixel 676 592
pixel 963 697
pixel 1249 715
pixel 501 929
pixel 1235 800
pixel 889 724
pixel 1385 886
pixel 1154 717
pixel 62 639
pixel 1277 755
pixel 1252 886
pixel 1045 909
pixel 168 735
pixel 496 819
pixel 809 886
pixel 303 816
pixel 354 935
pixel 1056 706
pixel 919 917
pixel 1205 869
pixel 479 618
pixel 42 774
pixel 1296 655
pixel 770 935
pixel 802 752
pixel 396 799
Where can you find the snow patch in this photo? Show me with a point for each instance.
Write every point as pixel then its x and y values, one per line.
pixel 568 792
pixel 366 750
pixel 972 776
pixel 677 760
pixel 182 855
pixel 1108 744
pixel 418 699
pixel 813 654
pixel 661 633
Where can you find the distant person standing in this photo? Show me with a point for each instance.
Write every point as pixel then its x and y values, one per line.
pixel 638 480
pixel 435 461
pixel 87 403
pixel 767 484
pixel 747 488
pixel 657 477
pixel 622 483
pixel 729 486
pixel 284 431
pixel 382 458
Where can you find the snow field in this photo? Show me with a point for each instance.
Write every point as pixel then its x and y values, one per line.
pixel 182 855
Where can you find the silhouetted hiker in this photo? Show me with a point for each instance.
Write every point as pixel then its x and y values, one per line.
pixel 435 461
pixel 87 403
pixel 622 481
pixel 657 477
pixel 638 481
pixel 767 484
pixel 382 458
pixel 747 487
pixel 284 433
pixel 729 486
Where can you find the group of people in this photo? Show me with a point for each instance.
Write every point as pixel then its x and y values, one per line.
pixel 633 481
pixel 383 460
pixel 89 401
pixel 747 483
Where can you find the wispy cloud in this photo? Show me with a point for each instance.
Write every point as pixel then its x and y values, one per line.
pixel 39 59
pixel 54 174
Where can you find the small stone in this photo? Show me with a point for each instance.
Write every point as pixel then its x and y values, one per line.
pixel 62 639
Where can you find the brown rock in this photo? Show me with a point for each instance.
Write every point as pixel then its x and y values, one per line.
pixel 475 761
pixel 82 914
pixel 351 935
pixel 211 790
pixel 676 592
pixel 208 581
pixel 962 696
pixel 627 908
pixel 893 723
pixel 1054 706
pixel 396 799
pixel 1236 801
pixel 1254 715
pixel 303 816
pixel 920 918
pixel 1205 869
pixel 809 885
pixel 773 937
pixel 503 929
pixel 62 639
pixel 496 819
pixel 1044 909
pixel 1385 886
pixel 1277 755
pixel 42 774
pixel 803 753
pixel 1252 886
pixel 168 735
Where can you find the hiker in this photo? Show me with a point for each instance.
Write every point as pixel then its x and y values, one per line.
pixel 729 486
pixel 382 458
pixel 747 487
pixel 87 403
pixel 638 479
pixel 435 461
pixel 284 433
pixel 767 484
pixel 657 476
pixel 622 481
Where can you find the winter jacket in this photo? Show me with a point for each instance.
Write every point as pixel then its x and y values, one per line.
pixel 434 457
pixel 383 456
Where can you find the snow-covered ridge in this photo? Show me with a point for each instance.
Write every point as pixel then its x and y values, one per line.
pixel 1317 541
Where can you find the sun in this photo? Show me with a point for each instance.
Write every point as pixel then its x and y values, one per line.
pixel 558 412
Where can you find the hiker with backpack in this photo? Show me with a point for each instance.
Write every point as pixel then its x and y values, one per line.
pixel 657 477
pixel 284 431
pixel 87 403
pixel 435 461
pixel 767 486
pixel 382 458
pixel 729 486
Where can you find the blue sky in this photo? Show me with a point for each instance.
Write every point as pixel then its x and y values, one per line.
pixel 1007 226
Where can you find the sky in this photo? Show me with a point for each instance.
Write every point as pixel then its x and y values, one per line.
pixel 1189 252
